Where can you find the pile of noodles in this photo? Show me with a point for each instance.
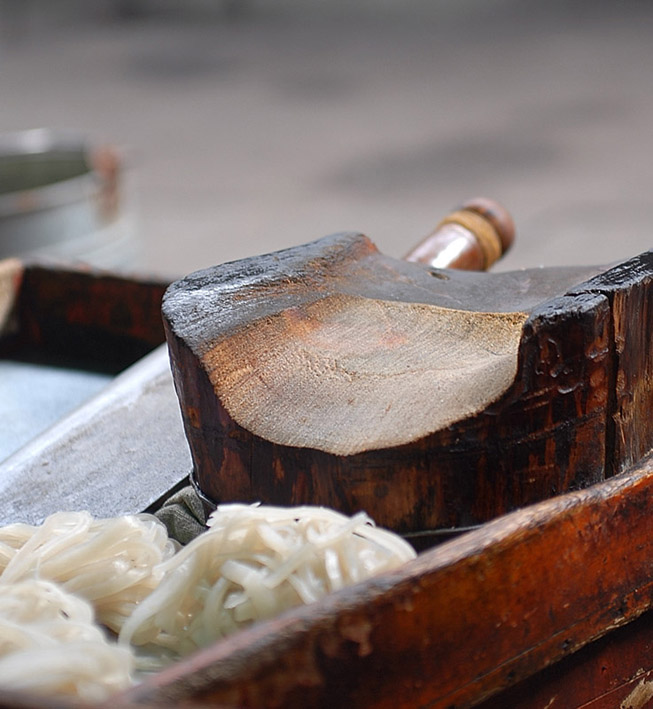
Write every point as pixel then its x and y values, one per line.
pixel 252 564
pixel 110 562
pixel 49 644
pixel 126 574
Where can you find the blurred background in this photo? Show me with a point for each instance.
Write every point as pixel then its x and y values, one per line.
pixel 246 126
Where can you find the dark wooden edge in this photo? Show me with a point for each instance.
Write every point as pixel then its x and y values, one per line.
pixel 615 671
pixel 461 623
pixel 80 313
pixel 629 289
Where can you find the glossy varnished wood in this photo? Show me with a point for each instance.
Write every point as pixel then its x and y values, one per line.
pixel 474 237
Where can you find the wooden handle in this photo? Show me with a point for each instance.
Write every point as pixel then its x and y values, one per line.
pixel 471 238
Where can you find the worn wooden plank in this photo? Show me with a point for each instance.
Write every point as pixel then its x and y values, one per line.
pixel 85 315
pixel 614 672
pixel 629 288
pixel 461 623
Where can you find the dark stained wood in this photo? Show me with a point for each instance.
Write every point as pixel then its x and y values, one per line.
pixel 629 288
pixel 612 672
pixel 548 432
pixel 85 314
pixel 541 599
pixel 462 623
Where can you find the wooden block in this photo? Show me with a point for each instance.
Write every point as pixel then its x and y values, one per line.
pixel 331 374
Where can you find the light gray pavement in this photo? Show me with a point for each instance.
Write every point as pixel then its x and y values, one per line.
pixel 291 121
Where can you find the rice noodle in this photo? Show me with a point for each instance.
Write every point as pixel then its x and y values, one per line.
pixel 253 563
pixel 110 562
pixel 50 645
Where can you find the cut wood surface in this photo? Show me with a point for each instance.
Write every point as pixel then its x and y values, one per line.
pixel 540 600
pixel 460 624
pixel 347 374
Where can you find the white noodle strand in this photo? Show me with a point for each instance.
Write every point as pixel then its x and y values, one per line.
pixel 253 563
pixel 50 645
pixel 110 562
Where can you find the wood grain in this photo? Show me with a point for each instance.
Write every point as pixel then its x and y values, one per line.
pixel 629 288
pixel 612 672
